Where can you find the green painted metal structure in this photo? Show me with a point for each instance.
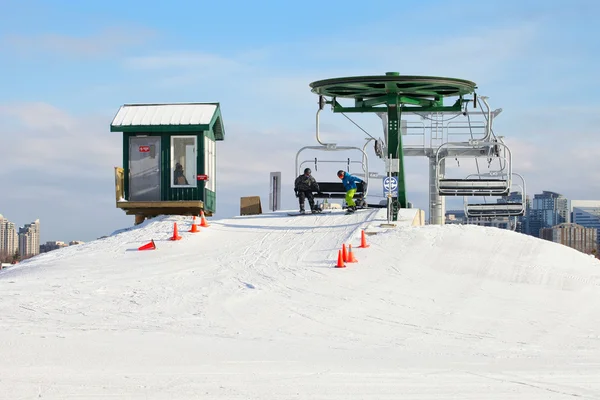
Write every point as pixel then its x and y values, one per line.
pixel 394 94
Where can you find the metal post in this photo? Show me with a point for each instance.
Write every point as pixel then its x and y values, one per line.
pixel 390 212
pixel 275 191
pixel 437 203
pixel 394 141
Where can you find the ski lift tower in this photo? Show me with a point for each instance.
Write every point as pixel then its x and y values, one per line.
pixel 392 94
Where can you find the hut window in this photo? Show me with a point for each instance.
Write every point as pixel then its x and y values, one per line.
pixel 183 161
pixel 210 161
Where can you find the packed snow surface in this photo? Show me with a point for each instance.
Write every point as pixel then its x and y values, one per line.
pixel 253 307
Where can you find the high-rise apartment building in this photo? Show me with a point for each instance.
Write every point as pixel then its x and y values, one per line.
pixel 9 239
pixel 547 209
pixel 587 213
pixel 572 235
pixel 29 239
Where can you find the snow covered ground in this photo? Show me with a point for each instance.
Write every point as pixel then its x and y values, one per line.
pixel 253 308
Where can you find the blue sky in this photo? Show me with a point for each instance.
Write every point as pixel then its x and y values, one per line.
pixel 68 66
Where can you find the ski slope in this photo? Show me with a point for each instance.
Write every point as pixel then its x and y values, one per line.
pixel 253 308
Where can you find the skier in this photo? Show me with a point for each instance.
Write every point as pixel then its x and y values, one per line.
pixel 304 186
pixel 349 182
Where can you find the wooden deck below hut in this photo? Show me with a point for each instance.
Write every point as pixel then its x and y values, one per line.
pixel 154 208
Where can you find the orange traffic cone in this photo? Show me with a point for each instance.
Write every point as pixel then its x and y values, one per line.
pixel 340 262
pixel 203 222
pixel 148 246
pixel 194 228
pixel 363 240
pixel 344 253
pixel 175 234
pixel 351 258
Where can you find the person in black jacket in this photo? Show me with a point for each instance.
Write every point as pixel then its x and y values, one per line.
pixel 178 176
pixel 304 186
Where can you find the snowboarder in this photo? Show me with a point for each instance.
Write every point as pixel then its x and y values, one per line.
pixel 304 186
pixel 349 182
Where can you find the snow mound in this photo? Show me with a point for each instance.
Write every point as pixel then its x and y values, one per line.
pixel 258 298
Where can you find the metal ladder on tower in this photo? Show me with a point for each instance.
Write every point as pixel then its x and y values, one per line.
pixel 437 129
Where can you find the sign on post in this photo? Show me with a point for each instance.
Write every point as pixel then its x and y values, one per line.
pixel 390 184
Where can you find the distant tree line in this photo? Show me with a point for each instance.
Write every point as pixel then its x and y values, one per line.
pixel 5 257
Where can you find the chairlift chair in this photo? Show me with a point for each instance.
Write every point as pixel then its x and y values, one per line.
pixel 493 183
pixel 499 210
pixel 335 190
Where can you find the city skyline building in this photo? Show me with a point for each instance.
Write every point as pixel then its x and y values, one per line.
pixel 587 213
pixel 29 239
pixel 9 238
pixel 52 245
pixel 572 235
pixel 547 210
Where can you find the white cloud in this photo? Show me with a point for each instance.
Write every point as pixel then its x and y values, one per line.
pixel 44 138
pixel 480 55
pixel 39 116
pixel 58 164
pixel 275 80
pixel 108 41
pixel 571 169
pixel 182 61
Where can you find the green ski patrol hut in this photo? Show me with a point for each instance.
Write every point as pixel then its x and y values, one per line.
pixel 169 158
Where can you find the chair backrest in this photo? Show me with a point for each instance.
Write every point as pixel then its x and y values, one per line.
pixel 335 190
pixel 338 187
